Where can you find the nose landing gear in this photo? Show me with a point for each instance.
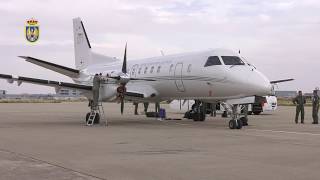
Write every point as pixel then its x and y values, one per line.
pixel 237 122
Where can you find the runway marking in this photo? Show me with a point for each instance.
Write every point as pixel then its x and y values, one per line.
pixel 287 132
pixel 50 163
pixel 182 124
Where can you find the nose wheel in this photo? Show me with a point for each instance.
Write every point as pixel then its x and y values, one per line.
pixel 235 124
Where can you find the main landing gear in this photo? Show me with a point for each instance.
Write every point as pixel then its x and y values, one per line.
pixel 197 112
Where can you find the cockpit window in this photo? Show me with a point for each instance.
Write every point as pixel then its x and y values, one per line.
pixel 232 60
pixel 213 60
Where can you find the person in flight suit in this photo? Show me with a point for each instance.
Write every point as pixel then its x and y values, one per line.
pixel 95 90
pixel 146 105
pixel 299 101
pixel 315 107
pixel 135 108
pixel 157 107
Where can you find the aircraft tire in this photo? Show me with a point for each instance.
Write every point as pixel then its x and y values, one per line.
pixel 195 117
pixel 244 121
pixel 202 117
pixel 199 117
pixel 256 112
pixel 232 124
pixel 239 124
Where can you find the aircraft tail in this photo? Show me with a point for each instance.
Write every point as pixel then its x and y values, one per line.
pixel 82 48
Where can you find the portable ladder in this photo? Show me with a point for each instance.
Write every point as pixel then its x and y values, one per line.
pixel 91 118
pixel 94 113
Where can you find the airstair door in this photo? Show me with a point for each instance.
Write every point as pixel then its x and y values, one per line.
pixel 178 77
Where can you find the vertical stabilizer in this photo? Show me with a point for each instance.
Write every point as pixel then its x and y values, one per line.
pixel 82 47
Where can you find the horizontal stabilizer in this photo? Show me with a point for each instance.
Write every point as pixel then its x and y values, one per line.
pixel 55 84
pixel 280 81
pixel 73 73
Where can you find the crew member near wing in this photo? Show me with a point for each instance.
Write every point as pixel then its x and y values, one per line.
pixel 315 107
pixel 95 90
pixel 299 101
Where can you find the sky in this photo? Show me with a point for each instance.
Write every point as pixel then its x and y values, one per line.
pixel 280 37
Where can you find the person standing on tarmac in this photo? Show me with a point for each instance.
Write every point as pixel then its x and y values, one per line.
pixel 146 105
pixel 315 107
pixel 95 90
pixel 299 101
pixel 213 109
pixel 135 108
pixel 157 107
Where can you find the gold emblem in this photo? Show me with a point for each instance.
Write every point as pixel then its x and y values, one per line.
pixel 32 30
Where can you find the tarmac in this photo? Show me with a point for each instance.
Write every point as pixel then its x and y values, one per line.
pixel 51 141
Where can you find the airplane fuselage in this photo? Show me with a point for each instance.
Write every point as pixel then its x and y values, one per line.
pixel 183 76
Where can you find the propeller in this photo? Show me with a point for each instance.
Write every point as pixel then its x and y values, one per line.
pixel 123 78
pixel 124 64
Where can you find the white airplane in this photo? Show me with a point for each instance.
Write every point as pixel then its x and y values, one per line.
pixel 207 76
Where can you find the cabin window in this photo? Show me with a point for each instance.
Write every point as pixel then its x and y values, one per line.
pixel 171 68
pixel 189 68
pixel 151 70
pixel 232 60
pixel 145 70
pixel 158 70
pixel 213 60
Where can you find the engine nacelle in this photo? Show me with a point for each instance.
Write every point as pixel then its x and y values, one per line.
pixel 108 92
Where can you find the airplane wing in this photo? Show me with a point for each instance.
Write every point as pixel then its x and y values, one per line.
pixel 280 81
pixel 55 84
pixel 130 95
pixel 73 73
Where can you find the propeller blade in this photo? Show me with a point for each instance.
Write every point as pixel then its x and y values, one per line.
pixel 124 65
pixel 140 79
pixel 122 105
pixel 280 81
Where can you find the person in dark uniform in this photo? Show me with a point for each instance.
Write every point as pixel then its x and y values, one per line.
pixel 146 105
pixel 135 108
pixel 157 107
pixel 299 101
pixel 95 90
pixel 315 107
pixel 213 110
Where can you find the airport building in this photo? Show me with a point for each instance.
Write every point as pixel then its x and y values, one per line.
pixel 286 94
pixel 62 94
pixel 68 92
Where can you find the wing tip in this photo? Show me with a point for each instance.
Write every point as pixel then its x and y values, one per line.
pixel 24 57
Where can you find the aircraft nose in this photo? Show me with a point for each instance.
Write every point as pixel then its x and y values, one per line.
pixel 260 84
pixel 263 87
